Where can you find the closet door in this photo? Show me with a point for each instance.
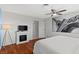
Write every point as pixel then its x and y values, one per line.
pixel 41 29
pixel 35 29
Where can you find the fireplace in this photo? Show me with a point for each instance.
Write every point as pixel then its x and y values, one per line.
pixel 21 37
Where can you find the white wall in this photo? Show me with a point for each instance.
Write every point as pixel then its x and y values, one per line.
pixel 14 20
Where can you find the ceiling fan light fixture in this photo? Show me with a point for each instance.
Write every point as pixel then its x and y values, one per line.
pixel 54 14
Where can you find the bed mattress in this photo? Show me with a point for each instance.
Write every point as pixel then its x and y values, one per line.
pixel 57 45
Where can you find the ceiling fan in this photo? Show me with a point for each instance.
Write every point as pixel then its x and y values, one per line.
pixel 55 12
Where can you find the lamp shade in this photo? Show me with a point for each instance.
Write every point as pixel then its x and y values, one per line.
pixel 6 26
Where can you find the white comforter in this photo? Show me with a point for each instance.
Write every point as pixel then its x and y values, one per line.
pixel 57 45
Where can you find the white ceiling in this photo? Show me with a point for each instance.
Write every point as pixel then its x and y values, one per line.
pixel 38 10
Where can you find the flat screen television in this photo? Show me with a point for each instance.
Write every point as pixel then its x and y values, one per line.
pixel 22 28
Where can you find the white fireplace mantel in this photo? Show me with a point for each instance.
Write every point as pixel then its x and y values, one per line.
pixel 18 33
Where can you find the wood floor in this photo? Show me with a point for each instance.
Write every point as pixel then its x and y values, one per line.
pixel 25 48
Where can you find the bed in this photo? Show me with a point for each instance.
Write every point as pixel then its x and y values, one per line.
pixel 57 45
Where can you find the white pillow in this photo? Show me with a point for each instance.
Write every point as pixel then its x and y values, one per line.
pixel 76 30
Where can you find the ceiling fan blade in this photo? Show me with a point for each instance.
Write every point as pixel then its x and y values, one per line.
pixel 59 13
pixel 62 10
pixel 53 11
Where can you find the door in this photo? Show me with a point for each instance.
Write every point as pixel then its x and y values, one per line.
pixel 35 29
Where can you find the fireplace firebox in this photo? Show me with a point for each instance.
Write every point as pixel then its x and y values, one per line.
pixel 22 38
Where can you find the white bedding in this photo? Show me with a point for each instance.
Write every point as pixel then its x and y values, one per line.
pixel 57 45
